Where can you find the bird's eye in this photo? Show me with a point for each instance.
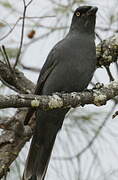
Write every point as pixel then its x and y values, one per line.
pixel 78 13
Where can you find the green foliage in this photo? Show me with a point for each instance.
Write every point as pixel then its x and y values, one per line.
pixel 6 4
pixel 11 52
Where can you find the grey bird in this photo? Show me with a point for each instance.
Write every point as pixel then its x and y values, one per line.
pixel 69 68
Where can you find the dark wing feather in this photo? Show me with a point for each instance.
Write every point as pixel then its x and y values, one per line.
pixel 45 72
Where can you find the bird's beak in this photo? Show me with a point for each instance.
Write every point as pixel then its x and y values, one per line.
pixel 92 11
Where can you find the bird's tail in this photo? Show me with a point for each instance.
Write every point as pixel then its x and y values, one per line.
pixel 38 160
pixel 47 126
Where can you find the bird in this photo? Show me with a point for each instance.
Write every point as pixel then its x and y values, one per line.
pixel 69 67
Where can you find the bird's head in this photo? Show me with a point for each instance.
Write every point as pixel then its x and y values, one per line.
pixel 84 19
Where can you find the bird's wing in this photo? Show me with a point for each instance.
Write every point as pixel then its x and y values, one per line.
pixel 45 72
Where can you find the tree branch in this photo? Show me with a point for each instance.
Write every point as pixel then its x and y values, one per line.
pixel 18 80
pixel 107 51
pixel 96 96
pixel 13 140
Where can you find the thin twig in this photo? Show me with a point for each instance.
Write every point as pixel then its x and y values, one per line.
pixel 98 36
pixel 8 85
pixel 39 17
pixel 109 73
pixel 34 69
pixel 24 3
pixel 22 31
pixel 22 35
pixel 11 29
pixel 115 114
pixel 20 18
pixel 98 132
pixel 29 3
pixel 3 55
pixel 7 58
pixel 91 141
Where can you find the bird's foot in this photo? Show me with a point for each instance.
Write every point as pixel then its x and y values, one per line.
pixel 98 85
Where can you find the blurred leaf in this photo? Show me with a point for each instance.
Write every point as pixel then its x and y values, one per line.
pixel 2 25
pixel 6 4
pixel 62 9
pixel 4 28
pixel 11 52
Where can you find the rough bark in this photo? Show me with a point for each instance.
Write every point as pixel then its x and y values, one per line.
pixel 96 96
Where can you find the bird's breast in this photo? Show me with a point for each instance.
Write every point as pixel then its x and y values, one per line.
pixel 75 67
